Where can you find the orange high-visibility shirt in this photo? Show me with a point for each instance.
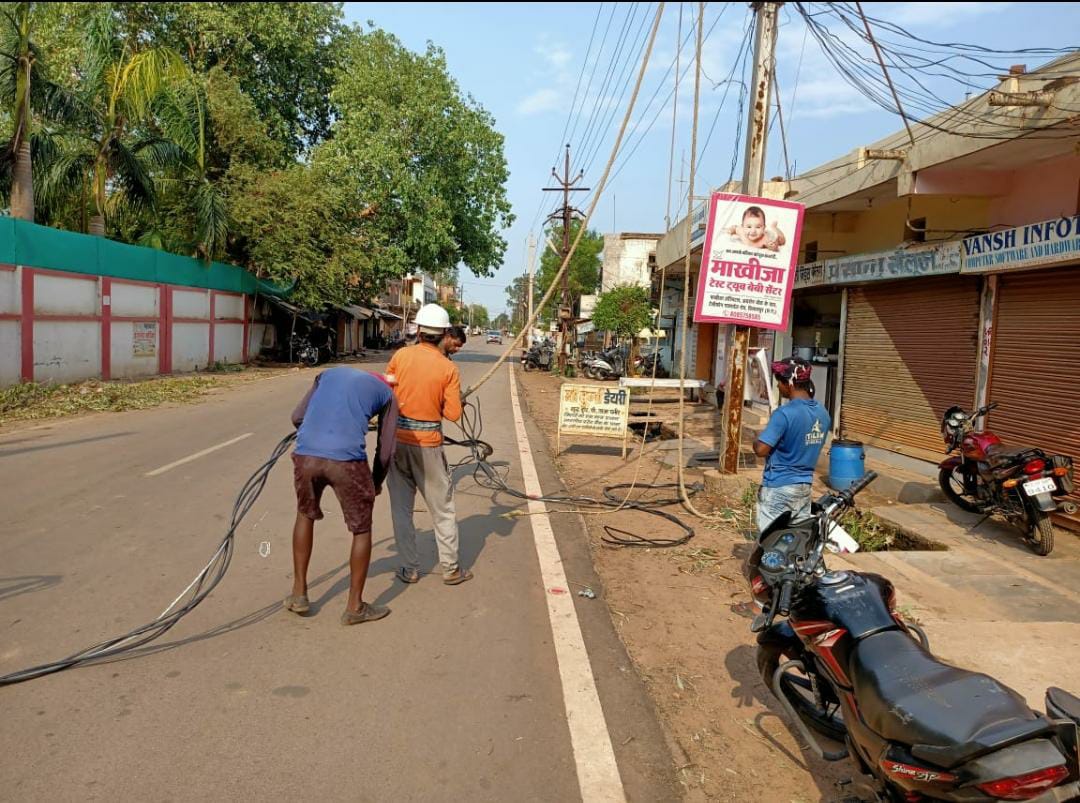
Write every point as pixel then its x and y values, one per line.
pixel 428 389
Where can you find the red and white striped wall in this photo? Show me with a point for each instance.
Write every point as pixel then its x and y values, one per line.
pixel 57 326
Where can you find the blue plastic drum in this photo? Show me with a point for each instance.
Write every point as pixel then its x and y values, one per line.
pixel 847 464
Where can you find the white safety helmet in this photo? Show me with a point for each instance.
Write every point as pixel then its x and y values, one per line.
pixel 432 319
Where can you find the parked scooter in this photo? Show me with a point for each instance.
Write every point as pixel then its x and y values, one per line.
pixel 1023 484
pixel 609 364
pixel 538 356
pixel 844 665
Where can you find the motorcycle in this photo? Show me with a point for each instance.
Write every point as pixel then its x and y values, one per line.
pixel 984 476
pixel 302 350
pixel 845 666
pixel 650 365
pixel 538 356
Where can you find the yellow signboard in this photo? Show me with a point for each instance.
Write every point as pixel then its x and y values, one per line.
pixel 593 410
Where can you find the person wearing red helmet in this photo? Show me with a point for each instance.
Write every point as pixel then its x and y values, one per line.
pixel 791 444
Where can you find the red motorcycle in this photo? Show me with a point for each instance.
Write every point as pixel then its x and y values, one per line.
pixel 1022 484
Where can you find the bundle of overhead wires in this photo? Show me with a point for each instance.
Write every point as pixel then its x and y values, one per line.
pixel 922 71
pixel 197 590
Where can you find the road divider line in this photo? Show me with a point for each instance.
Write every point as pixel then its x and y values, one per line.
pixel 197 455
pixel 597 770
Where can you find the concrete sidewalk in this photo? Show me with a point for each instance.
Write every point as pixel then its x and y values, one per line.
pixel 988 602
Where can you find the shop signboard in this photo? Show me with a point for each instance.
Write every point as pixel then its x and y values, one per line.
pixel 748 261
pixel 593 410
pixel 1050 242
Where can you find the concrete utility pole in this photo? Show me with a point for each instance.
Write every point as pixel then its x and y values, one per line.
pixel 531 278
pixel 765 26
pixel 566 186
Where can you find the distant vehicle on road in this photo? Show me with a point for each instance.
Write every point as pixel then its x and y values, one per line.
pixel 494 337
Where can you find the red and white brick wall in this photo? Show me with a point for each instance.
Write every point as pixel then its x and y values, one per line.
pixel 63 327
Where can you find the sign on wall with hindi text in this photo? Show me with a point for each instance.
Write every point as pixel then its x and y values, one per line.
pixel 593 410
pixel 144 340
pixel 748 261
pixel 899 263
pixel 1047 243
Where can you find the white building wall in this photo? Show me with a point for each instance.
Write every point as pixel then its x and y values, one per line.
pixel 191 346
pixel 124 363
pixel 66 351
pixel 10 352
pixel 626 261
pixel 229 342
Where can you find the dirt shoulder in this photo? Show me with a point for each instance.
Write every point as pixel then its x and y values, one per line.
pixel 27 404
pixel 680 613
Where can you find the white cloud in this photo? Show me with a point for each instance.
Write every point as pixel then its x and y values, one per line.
pixel 540 101
pixel 557 56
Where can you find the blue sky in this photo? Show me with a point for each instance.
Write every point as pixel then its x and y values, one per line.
pixel 523 61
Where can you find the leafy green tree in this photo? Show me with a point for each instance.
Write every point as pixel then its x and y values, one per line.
pixel 479 315
pixel 583 272
pixel 501 322
pixel 625 311
pixel 422 161
pixel 283 55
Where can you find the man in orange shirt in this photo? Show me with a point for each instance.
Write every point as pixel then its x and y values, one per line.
pixel 428 390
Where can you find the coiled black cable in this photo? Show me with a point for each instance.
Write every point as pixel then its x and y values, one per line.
pixel 486 476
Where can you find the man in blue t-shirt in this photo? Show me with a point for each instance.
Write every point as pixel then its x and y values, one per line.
pixel 332 423
pixel 790 444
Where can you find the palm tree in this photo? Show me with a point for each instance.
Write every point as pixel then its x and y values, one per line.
pixel 107 159
pixel 15 74
pixel 182 117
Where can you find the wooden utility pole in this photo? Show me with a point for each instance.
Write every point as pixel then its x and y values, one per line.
pixel 531 279
pixel 753 177
pixel 566 186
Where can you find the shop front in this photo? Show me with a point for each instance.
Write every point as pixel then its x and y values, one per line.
pixel 1032 340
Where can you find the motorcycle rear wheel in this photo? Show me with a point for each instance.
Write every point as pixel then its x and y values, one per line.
pixel 529 366
pixel 951 481
pixel 798 692
pixel 1041 533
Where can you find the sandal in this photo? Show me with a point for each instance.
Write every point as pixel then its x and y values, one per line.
pixel 297 603
pixel 367 613
pixel 457 577
pixel 409 576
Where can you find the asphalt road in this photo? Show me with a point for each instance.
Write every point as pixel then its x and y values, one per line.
pixel 457 694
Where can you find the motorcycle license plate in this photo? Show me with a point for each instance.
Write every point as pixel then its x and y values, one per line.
pixel 1043 486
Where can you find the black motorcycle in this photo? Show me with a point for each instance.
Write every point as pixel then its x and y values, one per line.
pixel 845 666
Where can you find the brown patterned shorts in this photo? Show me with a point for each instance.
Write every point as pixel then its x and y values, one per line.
pixel 352 484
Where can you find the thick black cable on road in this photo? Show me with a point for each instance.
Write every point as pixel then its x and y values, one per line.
pixel 486 476
pixel 199 588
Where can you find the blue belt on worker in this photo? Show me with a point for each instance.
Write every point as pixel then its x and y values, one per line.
pixel 416 425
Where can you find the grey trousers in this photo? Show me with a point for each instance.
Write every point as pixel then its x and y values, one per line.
pixel 423 468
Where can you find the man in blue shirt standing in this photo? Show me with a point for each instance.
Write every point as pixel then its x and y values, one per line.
pixel 790 444
pixel 332 422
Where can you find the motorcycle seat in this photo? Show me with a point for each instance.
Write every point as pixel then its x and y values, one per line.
pixel 998 454
pixel 945 714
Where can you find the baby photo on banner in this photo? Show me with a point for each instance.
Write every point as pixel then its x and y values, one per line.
pixel 748 261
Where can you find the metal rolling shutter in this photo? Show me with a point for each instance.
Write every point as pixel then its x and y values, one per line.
pixel 1036 361
pixel 910 353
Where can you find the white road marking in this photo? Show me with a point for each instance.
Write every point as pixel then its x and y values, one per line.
pixel 197 455
pixel 597 771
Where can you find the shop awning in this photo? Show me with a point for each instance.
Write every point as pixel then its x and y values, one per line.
pixel 360 313
pixel 292 309
pixel 385 313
